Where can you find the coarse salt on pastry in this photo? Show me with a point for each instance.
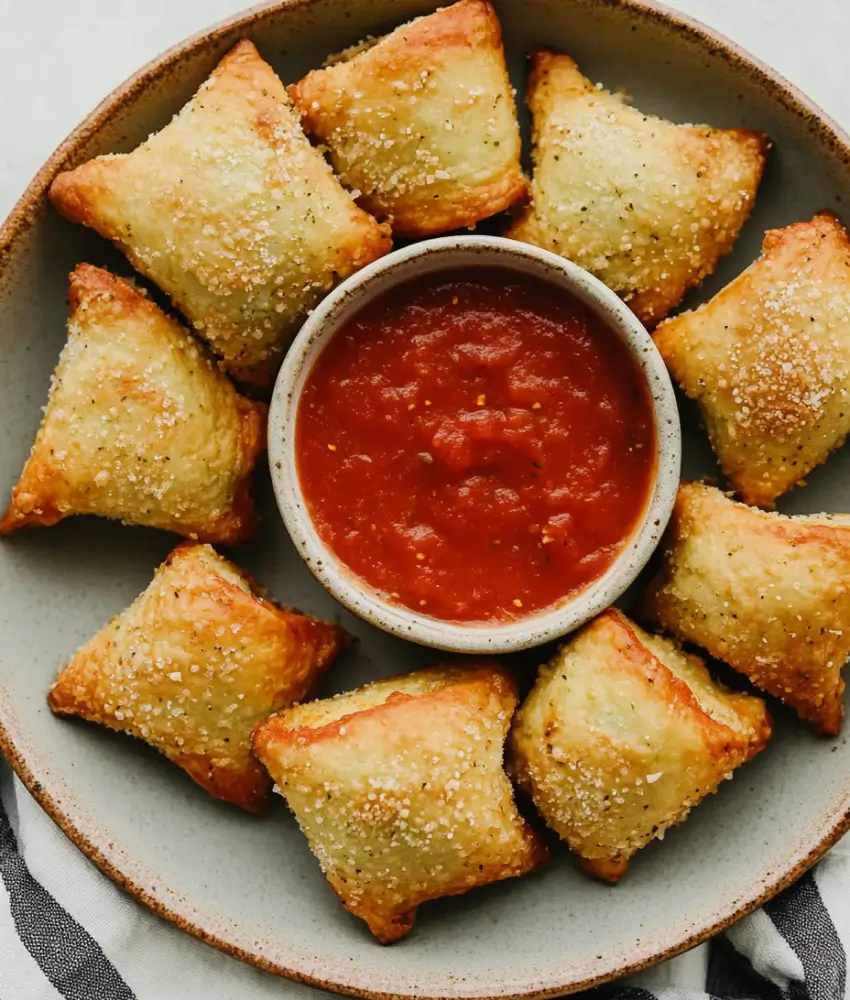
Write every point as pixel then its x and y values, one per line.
pixel 622 735
pixel 140 425
pixel 645 205
pixel 422 123
pixel 193 664
pixel 400 790
pixel 232 212
pixel 768 359
pixel 769 594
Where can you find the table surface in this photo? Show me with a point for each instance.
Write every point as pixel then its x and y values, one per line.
pixel 61 57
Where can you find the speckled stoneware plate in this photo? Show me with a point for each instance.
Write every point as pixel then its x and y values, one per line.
pixel 251 886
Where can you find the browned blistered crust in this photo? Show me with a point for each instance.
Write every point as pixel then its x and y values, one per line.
pixel 647 206
pixel 768 594
pixel 768 359
pixel 422 124
pixel 140 425
pixel 622 735
pixel 193 665
pixel 232 212
pixel 400 790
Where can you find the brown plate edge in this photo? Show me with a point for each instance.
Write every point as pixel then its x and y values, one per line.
pixel 24 215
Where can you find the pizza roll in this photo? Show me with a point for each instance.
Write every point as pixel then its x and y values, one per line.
pixel 768 359
pixel 622 734
pixel 768 594
pixel 140 425
pixel 647 206
pixel 193 665
pixel 232 212
pixel 422 124
pixel 400 790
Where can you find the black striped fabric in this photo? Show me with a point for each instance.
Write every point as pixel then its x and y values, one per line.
pixel 731 975
pixel 71 960
pixel 792 950
pixel 802 919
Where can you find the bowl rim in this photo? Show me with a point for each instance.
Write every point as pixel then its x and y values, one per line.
pixel 14 744
pixel 380 277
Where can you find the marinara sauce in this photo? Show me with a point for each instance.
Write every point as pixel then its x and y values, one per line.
pixel 476 445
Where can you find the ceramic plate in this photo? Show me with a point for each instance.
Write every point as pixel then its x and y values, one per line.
pixel 251 886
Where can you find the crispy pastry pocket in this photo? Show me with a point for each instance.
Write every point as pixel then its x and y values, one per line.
pixel 622 735
pixel 768 359
pixel 400 790
pixel 422 123
pixel 647 206
pixel 231 211
pixel 140 425
pixel 768 594
pixel 193 664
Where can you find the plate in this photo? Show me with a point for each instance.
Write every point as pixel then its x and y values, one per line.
pixel 251 886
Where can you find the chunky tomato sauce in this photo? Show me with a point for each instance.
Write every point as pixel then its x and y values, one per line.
pixel 475 445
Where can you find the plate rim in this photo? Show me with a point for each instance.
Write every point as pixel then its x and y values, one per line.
pixel 25 214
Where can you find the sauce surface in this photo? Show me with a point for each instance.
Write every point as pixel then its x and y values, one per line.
pixel 476 445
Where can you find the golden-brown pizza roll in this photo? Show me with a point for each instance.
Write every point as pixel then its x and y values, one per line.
pixel 422 124
pixel 768 359
pixel 647 206
pixel 622 734
pixel 232 212
pixel 140 425
pixel 193 665
pixel 400 790
pixel 768 594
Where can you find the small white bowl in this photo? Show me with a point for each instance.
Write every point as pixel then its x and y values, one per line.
pixel 455 253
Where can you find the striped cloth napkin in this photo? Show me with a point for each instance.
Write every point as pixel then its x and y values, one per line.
pixel 67 931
